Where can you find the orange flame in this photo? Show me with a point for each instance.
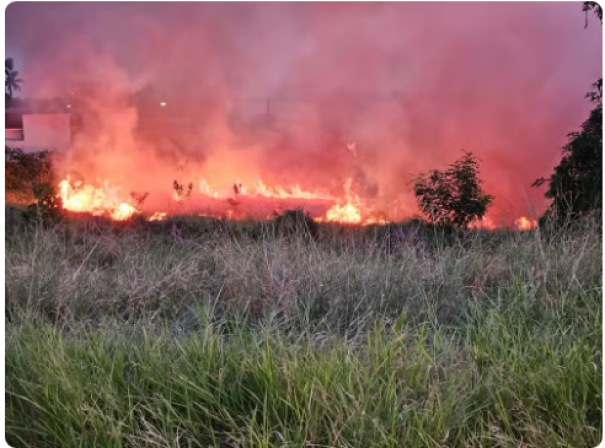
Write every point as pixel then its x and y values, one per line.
pixel 524 224
pixel 373 220
pixel 347 209
pixel 485 224
pixel 97 201
pixel 261 189
pixel 348 212
pixel 158 216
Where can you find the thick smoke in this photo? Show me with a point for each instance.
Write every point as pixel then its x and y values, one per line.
pixel 312 94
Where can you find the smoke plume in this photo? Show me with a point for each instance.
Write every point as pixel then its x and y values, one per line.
pixel 312 94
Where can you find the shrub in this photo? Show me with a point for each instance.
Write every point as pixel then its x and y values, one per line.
pixel 23 172
pixel 295 222
pixel 453 197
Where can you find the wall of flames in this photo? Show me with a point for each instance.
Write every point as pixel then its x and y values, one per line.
pixel 109 201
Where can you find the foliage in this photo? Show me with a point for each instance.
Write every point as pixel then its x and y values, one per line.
pixel 454 196
pixel 139 198
pixel 49 206
pixel 594 7
pixel 29 179
pixel 11 79
pixel 576 185
pixel 181 191
pixel 23 171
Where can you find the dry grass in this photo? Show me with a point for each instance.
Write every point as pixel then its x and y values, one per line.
pixel 245 338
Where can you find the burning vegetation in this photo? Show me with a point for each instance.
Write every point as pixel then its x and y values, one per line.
pixel 338 124
pixel 111 202
pixel 168 281
pixel 102 201
pixel 106 201
pixel 445 203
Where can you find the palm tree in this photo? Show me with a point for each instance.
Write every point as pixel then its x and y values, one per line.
pixel 11 79
pixel 596 8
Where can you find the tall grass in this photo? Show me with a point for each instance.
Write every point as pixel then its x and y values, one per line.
pixel 230 340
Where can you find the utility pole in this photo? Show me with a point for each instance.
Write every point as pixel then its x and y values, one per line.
pixel 268 110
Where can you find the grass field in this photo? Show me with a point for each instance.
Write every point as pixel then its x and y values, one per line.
pixel 234 335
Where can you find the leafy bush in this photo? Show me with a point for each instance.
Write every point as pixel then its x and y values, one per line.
pixel 453 197
pixel 24 171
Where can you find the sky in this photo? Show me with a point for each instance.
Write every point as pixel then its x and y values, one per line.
pixel 411 84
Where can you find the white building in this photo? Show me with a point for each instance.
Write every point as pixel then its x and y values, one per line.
pixel 38 132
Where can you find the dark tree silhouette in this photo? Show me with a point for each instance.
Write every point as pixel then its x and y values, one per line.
pixel 453 197
pixel 295 222
pixel 576 185
pixel 594 7
pixel 11 79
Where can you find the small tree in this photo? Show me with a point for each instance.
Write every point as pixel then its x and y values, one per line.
pixel 453 197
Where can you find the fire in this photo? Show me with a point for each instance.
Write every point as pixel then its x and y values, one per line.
pixel 158 216
pixel 485 224
pixel 348 212
pixel 122 212
pixel 348 208
pixel 373 220
pixel 295 192
pixel 522 223
pixel 103 201
pixel 259 188
pixel 205 189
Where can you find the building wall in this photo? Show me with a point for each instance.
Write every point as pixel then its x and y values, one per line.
pixel 41 132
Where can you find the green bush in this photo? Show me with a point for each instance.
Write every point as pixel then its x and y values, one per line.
pixel 24 171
